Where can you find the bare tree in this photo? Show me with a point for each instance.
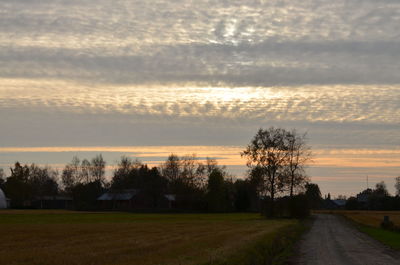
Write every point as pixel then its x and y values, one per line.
pixel 187 173
pixel 189 170
pixel 171 168
pixel 71 174
pixel 97 169
pixel 299 153
pixel 267 153
pixel 85 171
pixel 397 185
pixel 42 182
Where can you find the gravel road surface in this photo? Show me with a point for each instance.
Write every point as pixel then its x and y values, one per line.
pixel 333 241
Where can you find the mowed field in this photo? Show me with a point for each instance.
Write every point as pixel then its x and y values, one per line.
pixel 64 237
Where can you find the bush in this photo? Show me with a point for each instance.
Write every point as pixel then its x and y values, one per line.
pixel 295 207
pixel 352 204
pixel 85 195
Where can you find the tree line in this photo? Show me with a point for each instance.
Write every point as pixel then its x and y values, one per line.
pixel 276 178
pixel 377 198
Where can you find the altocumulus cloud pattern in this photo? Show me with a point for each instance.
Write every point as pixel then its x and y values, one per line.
pixel 180 71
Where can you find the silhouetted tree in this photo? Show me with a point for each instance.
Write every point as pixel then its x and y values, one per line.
pixel 352 204
pixel 17 187
pixel 185 174
pixel 28 183
pixel 397 185
pixel 193 172
pixel 43 181
pixel 242 196
pixel 216 192
pixel 126 174
pixel 258 190
pixel 97 169
pixel 267 153
pixel 152 184
pixel 85 194
pixel 84 180
pixel 380 189
pixel 313 194
pixel 71 175
pixel 83 172
pixel 171 169
pixel 299 153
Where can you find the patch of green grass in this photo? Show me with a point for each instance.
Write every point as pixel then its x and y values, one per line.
pixel 389 238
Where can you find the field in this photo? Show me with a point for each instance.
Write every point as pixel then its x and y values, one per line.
pixel 369 223
pixel 63 237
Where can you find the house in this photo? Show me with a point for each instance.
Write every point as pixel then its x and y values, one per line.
pixel 334 204
pixel 329 204
pixel 341 203
pixel 135 199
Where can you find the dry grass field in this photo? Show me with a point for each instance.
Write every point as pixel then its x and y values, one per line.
pixel 370 218
pixel 62 237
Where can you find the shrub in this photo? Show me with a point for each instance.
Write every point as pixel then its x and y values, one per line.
pixel 295 207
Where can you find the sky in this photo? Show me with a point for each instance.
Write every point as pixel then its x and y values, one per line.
pixel 147 78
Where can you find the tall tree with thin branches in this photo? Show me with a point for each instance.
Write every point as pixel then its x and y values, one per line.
pixel 397 185
pixel 299 154
pixel 267 153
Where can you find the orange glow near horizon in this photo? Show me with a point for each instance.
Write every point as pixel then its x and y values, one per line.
pixel 230 155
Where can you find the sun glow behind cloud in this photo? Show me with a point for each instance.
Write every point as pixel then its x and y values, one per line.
pixel 338 103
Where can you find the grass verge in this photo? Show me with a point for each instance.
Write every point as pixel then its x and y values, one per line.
pixel 386 237
pixel 272 249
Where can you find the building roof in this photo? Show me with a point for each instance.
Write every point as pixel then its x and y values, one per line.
pixel 340 202
pixel 124 195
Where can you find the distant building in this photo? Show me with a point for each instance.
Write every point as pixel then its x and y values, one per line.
pixel 135 199
pixel 341 203
pixel 334 204
pixel 53 202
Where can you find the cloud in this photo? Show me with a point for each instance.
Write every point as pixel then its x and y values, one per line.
pixel 258 43
pixel 263 64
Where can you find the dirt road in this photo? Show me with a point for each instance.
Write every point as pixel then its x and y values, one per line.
pixel 332 241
